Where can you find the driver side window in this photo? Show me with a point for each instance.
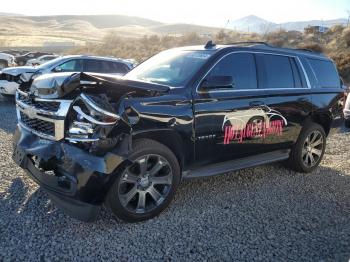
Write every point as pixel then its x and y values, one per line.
pixel 241 67
pixel 70 66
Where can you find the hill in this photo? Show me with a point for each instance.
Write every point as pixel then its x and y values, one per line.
pixel 79 29
pixel 259 25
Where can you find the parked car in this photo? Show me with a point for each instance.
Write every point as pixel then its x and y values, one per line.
pixel 22 59
pixel 14 52
pixel 10 78
pixel 40 60
pixel 94 139
pixel 6 60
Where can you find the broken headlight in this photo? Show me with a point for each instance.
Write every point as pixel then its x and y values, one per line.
pixel 90 119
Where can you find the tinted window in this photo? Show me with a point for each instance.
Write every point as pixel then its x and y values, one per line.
pixel 71 66
pixel 326 73
pixel 118 68
pixel 296 73
pixel 241 67
pixel 94 66
pixel 276 71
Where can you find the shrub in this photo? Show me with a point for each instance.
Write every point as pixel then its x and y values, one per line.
pixel 346 36
pixel 312 46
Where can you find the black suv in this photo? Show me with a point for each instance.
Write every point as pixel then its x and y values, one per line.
pixel 185 113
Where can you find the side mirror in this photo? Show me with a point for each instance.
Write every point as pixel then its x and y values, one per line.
pixel 57 69
pixel 217 82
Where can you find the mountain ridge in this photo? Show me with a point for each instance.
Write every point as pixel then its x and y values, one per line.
pixel 257 24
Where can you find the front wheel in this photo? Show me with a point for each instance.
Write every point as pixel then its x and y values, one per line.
pixel 145 188
pixel 309 149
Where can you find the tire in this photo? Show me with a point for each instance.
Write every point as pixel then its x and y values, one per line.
pixel 132 185
pixel 300 159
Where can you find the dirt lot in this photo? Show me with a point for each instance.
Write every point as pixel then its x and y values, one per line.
pixel 264 213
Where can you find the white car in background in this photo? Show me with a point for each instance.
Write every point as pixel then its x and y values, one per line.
pixel 11 77
pixel 7 60
pixel 40 60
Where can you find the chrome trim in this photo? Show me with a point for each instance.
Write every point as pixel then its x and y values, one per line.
pixel 97 108
pixel 91 119
pixel 75 140
pixel 32 112
pixel 62 110
pixel 59 124
pixel 258 89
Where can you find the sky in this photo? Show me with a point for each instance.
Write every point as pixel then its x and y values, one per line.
pixel 205 12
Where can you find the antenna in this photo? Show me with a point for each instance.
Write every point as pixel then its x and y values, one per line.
pixel 209 44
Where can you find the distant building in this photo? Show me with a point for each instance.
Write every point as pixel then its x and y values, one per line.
pixel 316 29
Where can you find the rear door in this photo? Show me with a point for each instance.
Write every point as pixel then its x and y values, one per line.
pixel 225 117
pixel 289 98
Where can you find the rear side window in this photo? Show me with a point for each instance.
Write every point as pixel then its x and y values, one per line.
pixel 276 70
pixel 325 72
pixel 93 66
pixel 241 67
pixel 120 68
pixel 102 66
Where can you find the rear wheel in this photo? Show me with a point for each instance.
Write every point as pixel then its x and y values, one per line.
pixel 145 188
pixel 309 149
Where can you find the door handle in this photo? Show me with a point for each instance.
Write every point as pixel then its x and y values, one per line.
pixel 256 103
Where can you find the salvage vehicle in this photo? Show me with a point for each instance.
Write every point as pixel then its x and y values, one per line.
pixel 21 60
pixel 40 60
pixel 6 60
pixel 10 78
pixel 126 143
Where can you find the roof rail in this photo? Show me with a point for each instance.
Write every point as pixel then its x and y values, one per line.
pixel 249 42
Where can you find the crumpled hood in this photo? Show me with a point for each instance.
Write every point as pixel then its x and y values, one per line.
pixel 15 71
pixel 60 84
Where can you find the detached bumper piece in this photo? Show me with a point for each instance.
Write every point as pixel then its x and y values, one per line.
pixel 75 180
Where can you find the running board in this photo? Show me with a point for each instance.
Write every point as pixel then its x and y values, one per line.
pixel 237 164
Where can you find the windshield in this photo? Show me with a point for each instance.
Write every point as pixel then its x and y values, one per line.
pixel 172 67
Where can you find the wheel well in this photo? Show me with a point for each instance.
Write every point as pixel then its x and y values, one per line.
pixel 323 120
pixel 4 62
pixel 167 138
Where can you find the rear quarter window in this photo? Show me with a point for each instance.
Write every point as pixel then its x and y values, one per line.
pixel 325 73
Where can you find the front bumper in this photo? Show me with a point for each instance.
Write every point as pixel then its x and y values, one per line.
pixel 78 181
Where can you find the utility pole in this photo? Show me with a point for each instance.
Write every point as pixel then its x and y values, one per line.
pixel 348 11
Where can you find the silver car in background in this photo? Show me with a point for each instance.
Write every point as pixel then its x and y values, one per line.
pixel 10 78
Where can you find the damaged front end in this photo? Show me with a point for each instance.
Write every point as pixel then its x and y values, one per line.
pixel 73 135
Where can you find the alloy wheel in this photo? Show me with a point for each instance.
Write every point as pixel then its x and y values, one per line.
pixel 145 184
pixel 312 149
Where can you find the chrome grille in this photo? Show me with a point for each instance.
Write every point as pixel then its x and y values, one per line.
pixel 38 125
pixel 43 117
pixel 44 105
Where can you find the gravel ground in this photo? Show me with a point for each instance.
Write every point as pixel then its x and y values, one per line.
pixel 265 213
